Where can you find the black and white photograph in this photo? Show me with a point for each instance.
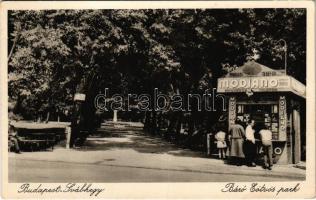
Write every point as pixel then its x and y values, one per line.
pixel 157 95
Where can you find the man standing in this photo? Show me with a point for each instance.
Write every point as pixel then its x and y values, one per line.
pixel 236 137
pixel 250 146
pixel 266 138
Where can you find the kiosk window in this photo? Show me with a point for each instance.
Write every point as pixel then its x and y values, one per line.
pixel 263 114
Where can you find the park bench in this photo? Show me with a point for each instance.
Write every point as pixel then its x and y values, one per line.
pixel 39 138
pixel 34 142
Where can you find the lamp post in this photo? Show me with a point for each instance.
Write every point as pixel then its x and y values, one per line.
pixel 285 54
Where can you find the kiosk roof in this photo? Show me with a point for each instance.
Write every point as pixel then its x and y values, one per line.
pixel 255 77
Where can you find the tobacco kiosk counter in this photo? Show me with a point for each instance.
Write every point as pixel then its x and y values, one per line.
pixel 272 98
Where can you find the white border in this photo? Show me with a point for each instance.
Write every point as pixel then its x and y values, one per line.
pixel 168 190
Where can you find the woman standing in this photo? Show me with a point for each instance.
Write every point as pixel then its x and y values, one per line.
pixel 236 136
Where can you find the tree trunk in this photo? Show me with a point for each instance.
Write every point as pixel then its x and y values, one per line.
pixel 154 123
pixel 178 127
pixel 47 117
pixel 147 121
pixel 76 114
pixel 18 32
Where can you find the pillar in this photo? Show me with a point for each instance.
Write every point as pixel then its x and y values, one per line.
pixel 68 136
pixel 297 136
pixel 114 115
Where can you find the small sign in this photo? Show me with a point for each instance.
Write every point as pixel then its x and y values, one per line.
pixel 232 111
pixel 282 118
pixel 80 97
pixel 256 84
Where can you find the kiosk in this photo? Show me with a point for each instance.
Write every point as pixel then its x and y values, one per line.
pixel 272 98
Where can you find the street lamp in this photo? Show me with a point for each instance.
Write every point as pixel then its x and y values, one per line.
pixel 285 54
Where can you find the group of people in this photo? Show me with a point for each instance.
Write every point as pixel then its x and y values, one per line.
pixel 242 144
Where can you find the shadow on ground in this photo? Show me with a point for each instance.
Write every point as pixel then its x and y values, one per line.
pixel 108 139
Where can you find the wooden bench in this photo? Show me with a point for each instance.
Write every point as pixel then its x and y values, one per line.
pixel 32 135
pixel 35 140
pixel 48 142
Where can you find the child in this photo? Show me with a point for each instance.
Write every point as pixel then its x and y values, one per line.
pixel 221 144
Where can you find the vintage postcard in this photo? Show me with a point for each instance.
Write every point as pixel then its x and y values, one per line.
pixel 157 99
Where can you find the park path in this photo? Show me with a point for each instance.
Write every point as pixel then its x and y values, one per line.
pixel 112 153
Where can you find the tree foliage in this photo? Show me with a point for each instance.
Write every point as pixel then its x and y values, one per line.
pixel 60 52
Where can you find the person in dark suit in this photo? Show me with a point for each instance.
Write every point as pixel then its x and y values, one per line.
pixel 250 144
